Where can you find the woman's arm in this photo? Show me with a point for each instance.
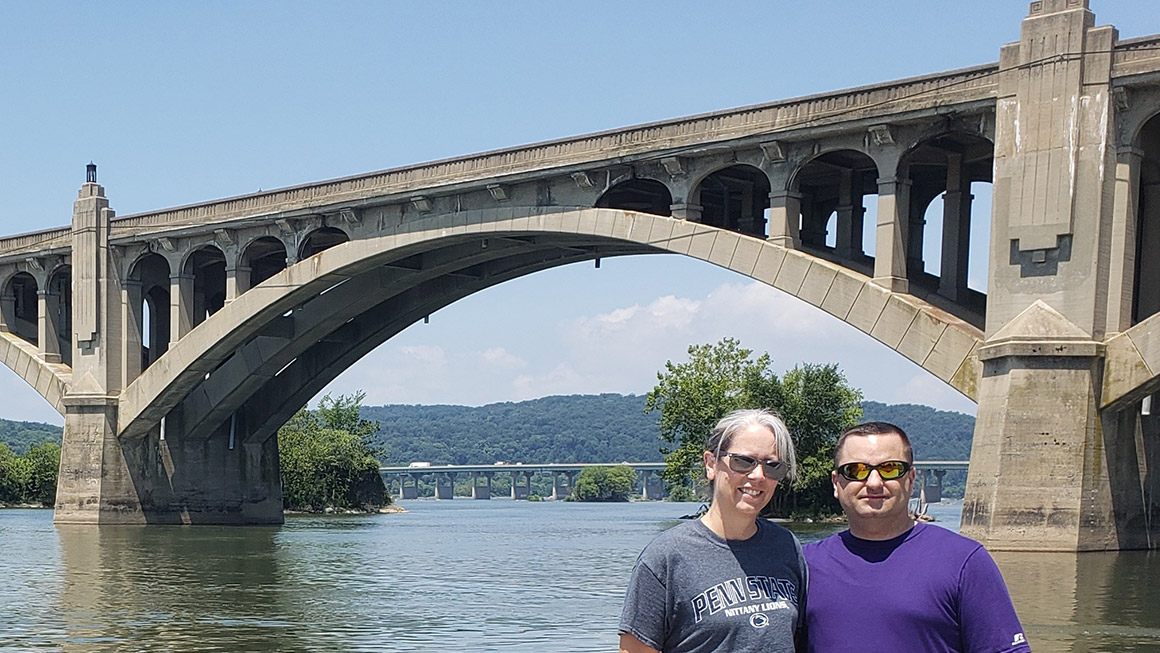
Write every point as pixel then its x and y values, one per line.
pixel 630 644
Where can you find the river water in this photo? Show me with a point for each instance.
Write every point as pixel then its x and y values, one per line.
pixel 457 575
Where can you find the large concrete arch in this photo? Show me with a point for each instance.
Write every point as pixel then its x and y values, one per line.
pixel 435 249
pixel 1132 365
pixel 50 380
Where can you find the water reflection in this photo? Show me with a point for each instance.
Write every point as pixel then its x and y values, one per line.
pixel 446 576
pixel 1087 602
pixel 169 588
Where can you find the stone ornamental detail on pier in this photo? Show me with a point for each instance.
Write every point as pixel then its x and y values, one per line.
pixel 176 342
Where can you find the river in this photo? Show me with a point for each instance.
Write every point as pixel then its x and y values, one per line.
pixel 458 575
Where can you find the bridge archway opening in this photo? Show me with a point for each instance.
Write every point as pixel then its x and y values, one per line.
pixel 734 198
pixel 838 208
pixel 150 307
pixel 643 195
pixel 1146 300
pixel 20 306
pixel 203 287
pixel 321 239
pixel 949 223
pixel 58 311
pixel 262 259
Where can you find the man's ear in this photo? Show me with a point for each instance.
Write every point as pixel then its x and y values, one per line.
pixel 710 464
pixel 834 480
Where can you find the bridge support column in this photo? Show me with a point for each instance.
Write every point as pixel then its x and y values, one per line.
pixel 48 325
pixel 409 491
pixel 889 247
pixel 521 491
pixel 848 243
pixel 956 231
pixel 652 485
pixel 562 484
pixel 445 485
pixel 785 208
pixel 1048 472
pixel 931 490
pixel 481 491
pixel 1049 469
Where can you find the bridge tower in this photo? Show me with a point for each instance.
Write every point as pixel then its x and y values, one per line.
pixel 1052 467
pixel 108 478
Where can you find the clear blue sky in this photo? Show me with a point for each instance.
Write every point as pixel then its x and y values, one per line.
pixel 186 102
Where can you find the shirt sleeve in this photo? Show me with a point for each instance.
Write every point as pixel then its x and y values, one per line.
pixel 645 607
pixel 989 623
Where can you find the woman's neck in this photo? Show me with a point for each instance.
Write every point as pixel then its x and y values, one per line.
pixel 729 527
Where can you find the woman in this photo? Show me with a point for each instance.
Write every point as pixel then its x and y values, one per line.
pixel 727 581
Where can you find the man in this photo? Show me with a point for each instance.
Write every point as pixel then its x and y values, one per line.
pixel 891 584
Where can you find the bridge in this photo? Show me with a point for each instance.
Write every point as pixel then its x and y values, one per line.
pixel 176 342
pixel 563 478
pixel 563 475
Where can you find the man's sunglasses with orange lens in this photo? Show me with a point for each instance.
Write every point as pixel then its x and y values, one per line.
pixel 888 471
pixel 774 470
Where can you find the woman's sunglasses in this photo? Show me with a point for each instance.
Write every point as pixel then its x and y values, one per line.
pixel 888 471
pixel 774 470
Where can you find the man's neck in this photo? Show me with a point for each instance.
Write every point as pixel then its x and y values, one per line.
pixel 872 530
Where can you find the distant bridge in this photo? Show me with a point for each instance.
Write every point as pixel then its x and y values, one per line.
pixel 564 475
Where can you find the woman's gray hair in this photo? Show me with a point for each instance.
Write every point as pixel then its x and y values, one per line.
pixel 721 438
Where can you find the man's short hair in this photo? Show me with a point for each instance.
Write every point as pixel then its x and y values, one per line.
pixel 875 428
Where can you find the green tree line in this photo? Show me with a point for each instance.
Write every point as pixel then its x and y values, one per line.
pixel 29 478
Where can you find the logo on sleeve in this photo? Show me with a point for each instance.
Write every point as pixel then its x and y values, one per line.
pixel 1019 639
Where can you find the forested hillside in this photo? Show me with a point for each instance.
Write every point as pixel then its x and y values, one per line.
pixel 595 428
pixel 19 436
pixel 576 428
pixel 935 434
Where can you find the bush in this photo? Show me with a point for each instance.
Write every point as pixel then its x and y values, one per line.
pixel 327 461
pixel 605 483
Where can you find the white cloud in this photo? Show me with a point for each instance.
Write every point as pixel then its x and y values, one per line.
pixel 499 358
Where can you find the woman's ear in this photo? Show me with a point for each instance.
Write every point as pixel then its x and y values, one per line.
pixel 710 464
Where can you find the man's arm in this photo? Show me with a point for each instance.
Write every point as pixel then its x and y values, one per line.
pixel 988 620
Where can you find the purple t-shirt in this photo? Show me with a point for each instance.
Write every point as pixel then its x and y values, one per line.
pixel 926 590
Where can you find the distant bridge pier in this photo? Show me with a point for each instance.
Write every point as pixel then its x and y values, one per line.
pixel 521 491
pixel 445 485
pixel 652 485
pixel 931 485
pixel 409 491
pixel 481 491
pixel 562 484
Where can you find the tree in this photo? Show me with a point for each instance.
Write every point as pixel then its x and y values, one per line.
pixel 327 460
pixel 694 395
pixel 816 405
pixel 42 463
pixel 604 483
pixel 814 401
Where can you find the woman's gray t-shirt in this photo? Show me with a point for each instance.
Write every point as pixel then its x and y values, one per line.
pixel 692 590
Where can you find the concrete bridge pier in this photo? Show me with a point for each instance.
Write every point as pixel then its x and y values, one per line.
pixel 445 485
pixel 409 491
pixel 481 491
pixel 931 485
pixel 562 484
pixel 159 476
pixel 521 491
pixel 652 485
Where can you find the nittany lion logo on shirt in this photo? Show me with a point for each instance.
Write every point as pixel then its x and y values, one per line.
pixel 758 620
